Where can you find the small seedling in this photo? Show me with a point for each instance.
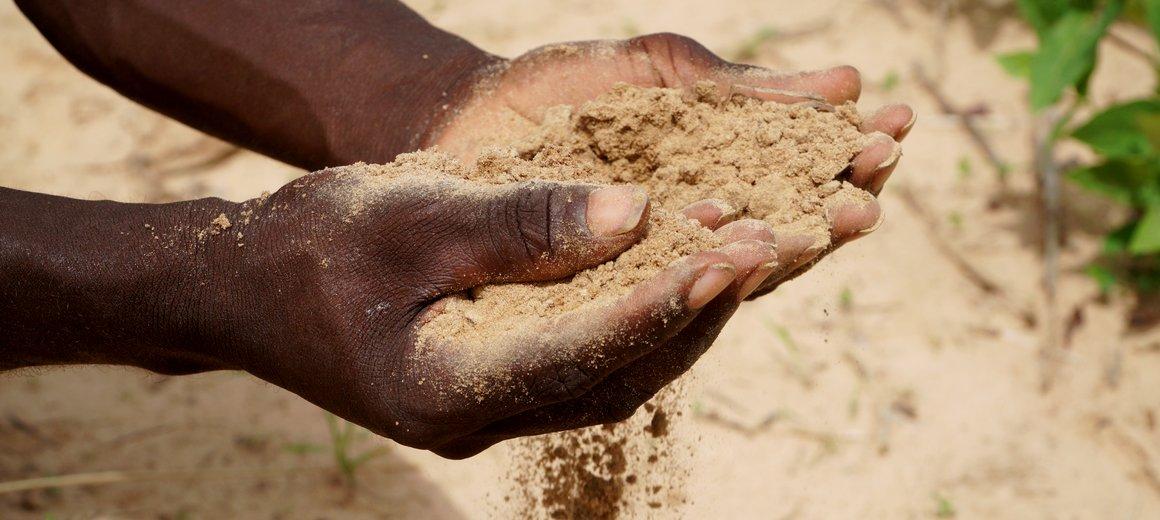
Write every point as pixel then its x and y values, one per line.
pixel 964 168
pixel 343 436
pixel 629 28
pixel 956 221
pixel 1004 171
pixel 846 299
pixel 943 507
pixel 748 48
pixel 786 338
pixel 889 81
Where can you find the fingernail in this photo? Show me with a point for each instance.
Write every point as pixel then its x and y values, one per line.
pixel 892 158
pixel 615 210
pixel 799 96
pixel 715 279
pixel 727 211
pixel 877 224
pixel 756 278
pixel 906 129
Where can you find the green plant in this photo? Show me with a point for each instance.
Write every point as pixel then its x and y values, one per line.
pixel 846 299
pixel 943 507
pixel 889 81
pixel 965 169
pixel 343 436
pixel 749 47
pixel 1125 137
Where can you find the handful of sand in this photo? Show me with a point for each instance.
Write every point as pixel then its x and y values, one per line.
pixel 775 162
pixel 768 161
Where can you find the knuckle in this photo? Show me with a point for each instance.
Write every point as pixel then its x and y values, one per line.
pixel 677 60
pixel 676 47
pixel 664 39
pixel 527 217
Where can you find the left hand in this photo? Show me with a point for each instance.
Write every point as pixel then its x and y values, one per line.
pixel 572 73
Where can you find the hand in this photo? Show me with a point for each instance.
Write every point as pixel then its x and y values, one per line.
pixel 340 271
pixel 573 73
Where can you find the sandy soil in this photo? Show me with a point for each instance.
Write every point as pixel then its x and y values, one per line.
pixel 885 384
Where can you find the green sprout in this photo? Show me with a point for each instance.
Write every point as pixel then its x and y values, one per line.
pixel 343 436
pixel 750 46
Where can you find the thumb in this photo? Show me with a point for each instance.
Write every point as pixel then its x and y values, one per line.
pixel 539 231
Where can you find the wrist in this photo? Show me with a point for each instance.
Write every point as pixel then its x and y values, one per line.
pixel 104 282
pixel 387 110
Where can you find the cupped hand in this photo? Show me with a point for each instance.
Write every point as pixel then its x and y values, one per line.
pixel 572 73
pixel 342 270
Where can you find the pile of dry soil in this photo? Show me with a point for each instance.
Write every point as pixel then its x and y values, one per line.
pixel 765 160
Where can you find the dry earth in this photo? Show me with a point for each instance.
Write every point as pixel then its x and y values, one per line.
pixel 884 384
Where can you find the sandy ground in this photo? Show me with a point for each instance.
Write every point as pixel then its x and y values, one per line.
pixel 884 384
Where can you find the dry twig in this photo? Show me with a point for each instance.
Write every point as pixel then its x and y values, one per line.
pixel 966 120
pixel 1051 352
pixel 969 272
pixel 116 476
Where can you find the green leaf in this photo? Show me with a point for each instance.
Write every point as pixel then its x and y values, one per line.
pixel 1126 130
pixel 1146 239
pixel 1041 14
pixel 1067 54
pixel 1128 182
pixel 1152 12
pixel 1103 277
pixel 1116 242
pixel 1017 64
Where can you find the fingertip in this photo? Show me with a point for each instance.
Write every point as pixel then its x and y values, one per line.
pixel 711 213
pixel 881 151
pixel 747 229
pixel 836 85
pixel 840 84
pixel 894 119
pixel 908 126
pixel 754 260
pixel 849 221
pixel 712 282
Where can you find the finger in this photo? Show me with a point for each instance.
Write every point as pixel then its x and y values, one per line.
pixel 711 213
pixel 534 231
pixel 780 95
pixel 618 397
pixel 565 357
pixel 880 154
pixel 747 229
pixel 798 253
pixel 852 220
pixel 836 85
pixel 894 120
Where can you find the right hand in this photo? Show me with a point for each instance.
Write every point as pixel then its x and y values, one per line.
pixel 330 301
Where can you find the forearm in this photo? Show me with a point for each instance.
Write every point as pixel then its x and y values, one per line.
pixel 105 282
pixel 310 83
